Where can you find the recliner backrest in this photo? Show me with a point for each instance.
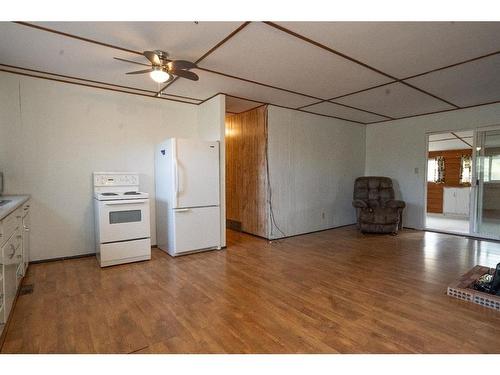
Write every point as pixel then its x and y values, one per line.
pixel 375 191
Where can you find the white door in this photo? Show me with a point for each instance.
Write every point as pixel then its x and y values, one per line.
pixel 197 165
pixel 121 220
pixel 196 228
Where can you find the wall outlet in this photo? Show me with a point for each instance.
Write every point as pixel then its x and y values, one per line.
pixel 416 170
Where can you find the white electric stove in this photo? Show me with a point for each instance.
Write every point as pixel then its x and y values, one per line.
pixel 122 227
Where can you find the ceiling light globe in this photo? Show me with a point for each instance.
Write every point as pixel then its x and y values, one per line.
pixel 159 76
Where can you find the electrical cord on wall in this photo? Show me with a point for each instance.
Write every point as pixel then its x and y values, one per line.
pixel 269 189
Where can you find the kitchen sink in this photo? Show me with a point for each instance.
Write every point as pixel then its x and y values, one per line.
pixel 4 201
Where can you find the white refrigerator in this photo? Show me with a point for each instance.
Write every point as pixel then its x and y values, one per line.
pixel 187 196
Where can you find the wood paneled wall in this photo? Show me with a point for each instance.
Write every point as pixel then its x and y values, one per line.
pixel 452 160
pixel 246 178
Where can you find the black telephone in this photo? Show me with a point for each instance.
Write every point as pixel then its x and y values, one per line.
pixel 489 283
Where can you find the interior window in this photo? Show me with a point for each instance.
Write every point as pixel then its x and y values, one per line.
pixel 432 170
pixel 494 170
pixel 466 169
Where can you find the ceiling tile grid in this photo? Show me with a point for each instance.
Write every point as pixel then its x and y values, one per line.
pixel 210 84
pixel 332 109
pixel 290 64
pixel 403 49
pixel 468 84
pixel 182 40
pixel 265 54
pixel 395 100
pixel 27 47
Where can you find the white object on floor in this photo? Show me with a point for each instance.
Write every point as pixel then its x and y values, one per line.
pixel 122 229
pixel 187 196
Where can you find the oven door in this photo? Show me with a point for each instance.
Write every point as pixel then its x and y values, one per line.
pixel 122 220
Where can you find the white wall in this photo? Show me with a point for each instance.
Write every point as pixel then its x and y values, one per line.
pixel 54 135
pixel 211 127
pixel 313 162
pixel 396 148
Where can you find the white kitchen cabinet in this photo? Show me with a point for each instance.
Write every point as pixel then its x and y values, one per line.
pixel 14 241
pixel 456 201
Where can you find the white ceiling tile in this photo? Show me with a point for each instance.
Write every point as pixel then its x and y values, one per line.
pixel 395 100
pixel 34 49
pixel 465 133
pixel 211 83
pixel 182 40
pixel 404 48
pixel 332 109
pixel 473 83
pixel 440 136
pixel 264 54
pixel 449 144
pixel 236 105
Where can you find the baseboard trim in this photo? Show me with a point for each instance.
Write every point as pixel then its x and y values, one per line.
pixel 314 231
pixel 461 235
pixel 62 258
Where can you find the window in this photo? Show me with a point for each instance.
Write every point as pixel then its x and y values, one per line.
pixel 431 170
pixel 465 169
pixel 435 169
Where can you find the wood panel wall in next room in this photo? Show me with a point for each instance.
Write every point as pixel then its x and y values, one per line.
pixel 246 181
pixel 452 160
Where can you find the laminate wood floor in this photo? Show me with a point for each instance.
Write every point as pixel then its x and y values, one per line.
pixel 336 291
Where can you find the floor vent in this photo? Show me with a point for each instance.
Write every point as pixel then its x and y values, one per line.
pixel 26 289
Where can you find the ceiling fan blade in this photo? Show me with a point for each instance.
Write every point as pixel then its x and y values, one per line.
pixel 141 71
pixel 184 74
pixel 181 64
pixel 130 61
pixel 153 57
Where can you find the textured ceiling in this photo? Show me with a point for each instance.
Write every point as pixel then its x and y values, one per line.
pixel 365 72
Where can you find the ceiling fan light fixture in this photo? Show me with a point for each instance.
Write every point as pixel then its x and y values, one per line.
pixel 159 75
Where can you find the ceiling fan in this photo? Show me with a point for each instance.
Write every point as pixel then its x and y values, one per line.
pixel 162 69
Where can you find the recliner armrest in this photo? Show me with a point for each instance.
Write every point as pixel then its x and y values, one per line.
pixel 358 203
pixel 395 204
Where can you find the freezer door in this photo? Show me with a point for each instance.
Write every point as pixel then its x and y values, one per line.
pixel 195 229
pixel 197 173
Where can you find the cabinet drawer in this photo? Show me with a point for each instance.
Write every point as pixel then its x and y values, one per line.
pixel 9 225
pixel 12 250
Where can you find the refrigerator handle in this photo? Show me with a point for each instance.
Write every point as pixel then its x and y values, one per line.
pixel 176 178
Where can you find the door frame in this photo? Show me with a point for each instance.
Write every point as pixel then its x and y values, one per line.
pixel 473 214
pixel 473 192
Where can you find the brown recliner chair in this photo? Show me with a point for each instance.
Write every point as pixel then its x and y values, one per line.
pixel 377 210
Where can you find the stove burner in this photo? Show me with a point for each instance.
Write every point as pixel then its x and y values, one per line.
pixel 107 194
pixel 131 193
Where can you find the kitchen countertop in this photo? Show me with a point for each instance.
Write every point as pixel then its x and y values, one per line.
pixel 15 202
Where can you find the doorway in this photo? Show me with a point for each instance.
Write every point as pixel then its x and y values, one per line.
pixel 449 180
pixel 463 182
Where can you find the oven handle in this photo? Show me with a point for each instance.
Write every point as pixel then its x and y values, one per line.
pixel 136 201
